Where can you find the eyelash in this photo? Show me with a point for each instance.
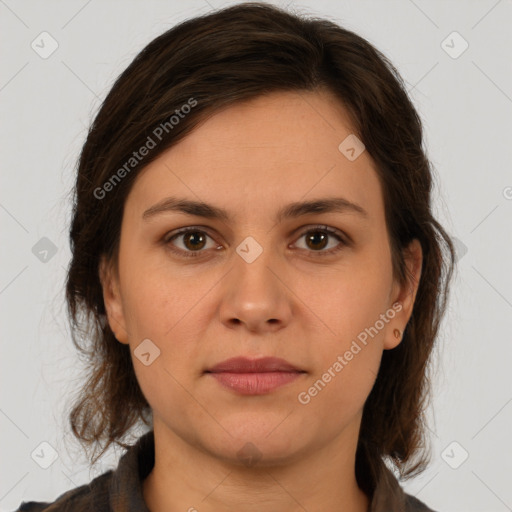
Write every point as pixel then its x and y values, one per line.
pixel 194 254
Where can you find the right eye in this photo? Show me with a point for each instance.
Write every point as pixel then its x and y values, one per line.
pixel 193 240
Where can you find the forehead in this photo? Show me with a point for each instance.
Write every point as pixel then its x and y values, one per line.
pixel 262 153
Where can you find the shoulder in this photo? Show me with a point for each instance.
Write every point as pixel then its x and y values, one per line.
pixel 413 504
pixel 389 495
pixel 110 491
pixel 91 496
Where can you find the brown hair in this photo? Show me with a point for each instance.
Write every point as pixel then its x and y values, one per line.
pixel 216 60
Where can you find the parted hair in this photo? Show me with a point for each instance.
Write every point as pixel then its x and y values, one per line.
pixel 219 59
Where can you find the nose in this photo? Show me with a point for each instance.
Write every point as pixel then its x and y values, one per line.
pixel 256 294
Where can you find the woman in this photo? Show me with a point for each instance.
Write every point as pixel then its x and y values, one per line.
pixel 256 273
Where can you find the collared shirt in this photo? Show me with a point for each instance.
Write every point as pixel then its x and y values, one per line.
pixel 121 490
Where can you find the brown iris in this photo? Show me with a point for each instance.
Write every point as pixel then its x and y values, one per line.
pixel 317 237
pixel 195 239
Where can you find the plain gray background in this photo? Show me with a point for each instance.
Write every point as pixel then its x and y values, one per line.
pixel 465 101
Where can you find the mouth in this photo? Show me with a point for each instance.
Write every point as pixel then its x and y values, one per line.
pixel 254 376
pixel 261 365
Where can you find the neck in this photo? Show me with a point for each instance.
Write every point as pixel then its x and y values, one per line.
pixel 189 479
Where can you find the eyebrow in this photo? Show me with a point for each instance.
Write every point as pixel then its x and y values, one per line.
pixel 292 210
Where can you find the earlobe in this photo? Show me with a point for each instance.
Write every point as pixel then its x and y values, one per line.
pixel 403 300
pixel 112 299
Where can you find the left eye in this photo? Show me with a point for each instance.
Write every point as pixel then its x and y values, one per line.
pixel 194 240
pixel 317 239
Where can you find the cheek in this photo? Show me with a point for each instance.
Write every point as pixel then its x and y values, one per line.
pixel 169 310
pixel 349 300
pixel 159 300
pixel 167 392
pixel 337 394
pixel 162 309
pixel 354 307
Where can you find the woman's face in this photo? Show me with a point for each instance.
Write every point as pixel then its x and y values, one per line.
pixel 259 282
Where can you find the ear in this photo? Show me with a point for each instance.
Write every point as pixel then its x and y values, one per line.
pixel 404 295
pixel 112 298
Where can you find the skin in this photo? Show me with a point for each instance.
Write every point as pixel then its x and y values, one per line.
pixel 290 302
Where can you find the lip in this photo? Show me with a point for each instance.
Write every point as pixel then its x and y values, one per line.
pixel 246 365
pixel 254 376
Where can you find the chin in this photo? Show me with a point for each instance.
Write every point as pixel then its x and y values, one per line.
pixel 258 445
